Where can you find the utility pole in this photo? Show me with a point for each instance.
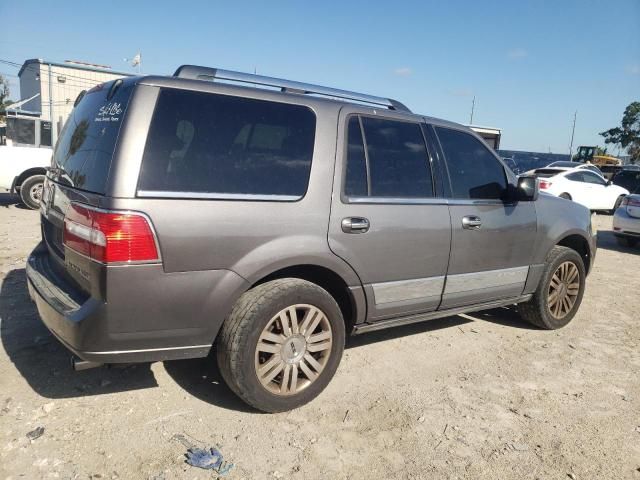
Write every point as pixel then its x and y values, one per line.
pixel 54 125
pixel 573 131
pixel 473 106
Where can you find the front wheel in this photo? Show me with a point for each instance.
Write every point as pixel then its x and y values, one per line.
pixel 31 191
pixel 559 293
pixel 281 345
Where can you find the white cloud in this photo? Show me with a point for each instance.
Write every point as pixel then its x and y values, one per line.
pixel 516 53
pixel 403 71
pixel 633 69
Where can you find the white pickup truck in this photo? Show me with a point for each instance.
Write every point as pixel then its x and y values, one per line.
pixel 22 170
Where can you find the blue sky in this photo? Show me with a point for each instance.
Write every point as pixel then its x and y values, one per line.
pixel 529 64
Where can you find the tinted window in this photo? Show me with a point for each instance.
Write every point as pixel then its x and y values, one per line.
pixel 474 171
pixel 575 177
pixel 21 130
pixel 356 176
pixel 206 143
pixel 592 178
pixel 87 141
pixel 398 161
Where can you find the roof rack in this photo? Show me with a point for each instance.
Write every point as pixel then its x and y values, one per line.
pixel 211 74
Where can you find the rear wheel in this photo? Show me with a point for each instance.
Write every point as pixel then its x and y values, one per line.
pixel 31 191
pixel 559 292
pixel 282 344
pixel 566 196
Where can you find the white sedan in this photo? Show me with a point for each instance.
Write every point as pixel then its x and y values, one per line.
pixel 581 185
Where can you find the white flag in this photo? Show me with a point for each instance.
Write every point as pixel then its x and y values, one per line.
pixel 136 60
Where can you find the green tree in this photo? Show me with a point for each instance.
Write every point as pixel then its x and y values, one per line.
pixel 4 97
pixel 628 134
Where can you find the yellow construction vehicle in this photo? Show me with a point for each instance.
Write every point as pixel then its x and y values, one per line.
pixel 589 155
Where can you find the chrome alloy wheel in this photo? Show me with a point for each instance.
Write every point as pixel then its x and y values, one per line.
pixel 36 192
pixel 293 349
pixel 563 289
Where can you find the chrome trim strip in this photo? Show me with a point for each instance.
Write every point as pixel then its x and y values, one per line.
pixel 216 196
pixel 466 282
pixel 167 349
pixel 397 201
pixel 403 290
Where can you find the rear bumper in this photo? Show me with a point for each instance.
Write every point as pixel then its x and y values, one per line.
pixel 624 225
pixel 145 317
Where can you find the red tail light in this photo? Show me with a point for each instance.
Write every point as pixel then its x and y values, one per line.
pixel 544 184
pixel 631 202
pixel 110 237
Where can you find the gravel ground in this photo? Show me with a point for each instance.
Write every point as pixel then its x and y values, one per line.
pixel 471 396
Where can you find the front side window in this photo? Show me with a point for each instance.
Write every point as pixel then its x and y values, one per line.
pixel 220 144
pixel 474 172
pixel 593 178
pixel 394 162
pixel 21 130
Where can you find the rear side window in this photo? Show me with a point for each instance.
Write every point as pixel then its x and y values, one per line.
pixel 475 173
pixel 224 145
pixel 390 160
pixel 85 148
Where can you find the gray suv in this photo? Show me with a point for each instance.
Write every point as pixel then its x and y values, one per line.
pixel 266 219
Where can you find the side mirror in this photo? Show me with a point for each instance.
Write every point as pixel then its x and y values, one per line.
pixel 528 188
pixel 609 182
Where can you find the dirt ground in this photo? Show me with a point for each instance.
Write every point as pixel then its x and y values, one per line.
pixel 471 396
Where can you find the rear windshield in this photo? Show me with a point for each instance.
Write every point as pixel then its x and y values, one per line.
pixel 225 146
pixel 84 150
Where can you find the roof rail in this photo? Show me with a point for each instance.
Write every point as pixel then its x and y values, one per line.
pixel 211 74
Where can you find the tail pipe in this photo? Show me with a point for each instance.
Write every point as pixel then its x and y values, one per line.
pixel 78 364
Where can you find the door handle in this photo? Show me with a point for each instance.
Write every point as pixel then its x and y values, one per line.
pixel 355 225
pixel 471 222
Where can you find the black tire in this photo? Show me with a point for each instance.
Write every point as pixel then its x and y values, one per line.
pixel 566 196
pixel 28 191
pixel 536 310
pixel 238 338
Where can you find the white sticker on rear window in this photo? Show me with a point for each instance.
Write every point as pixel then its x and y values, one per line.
pixel 109 113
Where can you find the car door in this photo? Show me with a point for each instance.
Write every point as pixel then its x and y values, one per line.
pixel 492 237
pixel 600 196
pixel 386 219
pixel 578 188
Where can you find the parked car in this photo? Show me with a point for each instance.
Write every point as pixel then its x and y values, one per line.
pixel 184 214
pixel 626 221
pixel 570 165
pixel 629 179
pixel 582 186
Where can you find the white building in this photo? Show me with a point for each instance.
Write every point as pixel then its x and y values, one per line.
pixel 48 91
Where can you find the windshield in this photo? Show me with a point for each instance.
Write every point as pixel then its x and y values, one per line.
pixel 82 157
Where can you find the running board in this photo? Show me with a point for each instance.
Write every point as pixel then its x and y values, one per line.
pixel 421 317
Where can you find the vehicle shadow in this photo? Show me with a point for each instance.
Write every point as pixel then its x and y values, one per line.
pixel 607 240
pixel 44 362
pixel 391 333
pixel 9 199
pixel 506 316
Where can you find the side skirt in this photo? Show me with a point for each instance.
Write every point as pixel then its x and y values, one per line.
pixel 394 322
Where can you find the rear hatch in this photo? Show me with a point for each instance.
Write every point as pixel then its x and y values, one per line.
pixel 79 174
pixel 632 203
